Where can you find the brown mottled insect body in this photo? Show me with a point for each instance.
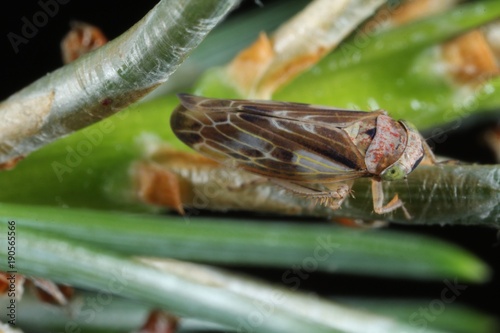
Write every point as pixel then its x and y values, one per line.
pixel 310 150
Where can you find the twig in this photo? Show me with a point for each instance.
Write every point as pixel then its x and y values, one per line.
pixel 109 79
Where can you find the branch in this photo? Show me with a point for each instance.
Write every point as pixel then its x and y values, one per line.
pixel 109 79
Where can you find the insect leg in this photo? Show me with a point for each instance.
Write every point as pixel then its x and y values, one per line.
pixel 378 201
pixel 337 195
pixel 333 198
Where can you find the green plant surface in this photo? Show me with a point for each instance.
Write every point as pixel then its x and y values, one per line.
pixel 397 70
pixel 119 315
pixel 184 289
pixel 76 170
pixel 260 243
pixel 412 87
pixel 61 175
pixel 77 218
pixel 90 168
pixel 225 41
pixel 82 265
pixel 442 194
pixel 108 79
pixel 450 317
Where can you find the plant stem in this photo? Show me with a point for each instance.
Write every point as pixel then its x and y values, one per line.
pixel 108 79
pixel 262 243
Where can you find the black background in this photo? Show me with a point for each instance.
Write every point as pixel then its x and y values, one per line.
pixel 41 55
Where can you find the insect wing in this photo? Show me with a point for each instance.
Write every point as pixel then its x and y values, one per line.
pixel 290 141
pixel 339 118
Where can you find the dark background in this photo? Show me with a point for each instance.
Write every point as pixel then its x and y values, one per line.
pixel 42 52
pixel 42 55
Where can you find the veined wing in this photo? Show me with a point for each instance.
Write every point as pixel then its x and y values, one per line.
pixel 285 110
pixel 278 140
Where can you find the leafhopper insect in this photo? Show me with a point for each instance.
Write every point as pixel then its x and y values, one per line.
pixel 314 151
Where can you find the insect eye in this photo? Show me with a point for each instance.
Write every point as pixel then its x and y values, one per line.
pixel 394 172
